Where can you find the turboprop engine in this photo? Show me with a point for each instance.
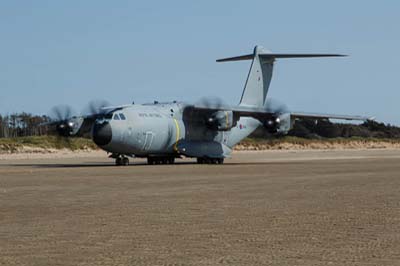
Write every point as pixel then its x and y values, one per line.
pixel 69 127
pixel 279 124
pixel 221 120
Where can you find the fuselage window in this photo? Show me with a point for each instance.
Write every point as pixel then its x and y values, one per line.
pixel 122 116
pixel 116 117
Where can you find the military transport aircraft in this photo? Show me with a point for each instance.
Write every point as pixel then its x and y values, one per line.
pixel 162 132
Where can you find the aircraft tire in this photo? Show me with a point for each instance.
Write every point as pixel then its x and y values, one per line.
pixel 125 161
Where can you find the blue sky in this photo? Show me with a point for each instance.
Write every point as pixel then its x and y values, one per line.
pixel 70 52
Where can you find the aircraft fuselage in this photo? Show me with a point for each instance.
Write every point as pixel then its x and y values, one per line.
pixel 164 130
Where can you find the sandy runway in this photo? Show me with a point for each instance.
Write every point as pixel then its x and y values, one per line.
pixel 259 208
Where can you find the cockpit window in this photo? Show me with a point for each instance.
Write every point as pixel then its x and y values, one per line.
pixel 116 117
pixel 122 116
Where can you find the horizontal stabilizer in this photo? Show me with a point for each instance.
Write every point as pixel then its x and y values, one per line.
pixel 274 56
pixel 237 58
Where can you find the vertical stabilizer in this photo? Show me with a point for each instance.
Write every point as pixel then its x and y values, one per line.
pixel 258 80
pixel 259 77
pixel 260 74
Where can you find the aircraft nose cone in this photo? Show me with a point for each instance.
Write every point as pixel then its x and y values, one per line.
pixel 102 133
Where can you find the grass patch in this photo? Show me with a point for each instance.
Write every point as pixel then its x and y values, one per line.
pixel 304 141
pixel 45 142
pixel 53 142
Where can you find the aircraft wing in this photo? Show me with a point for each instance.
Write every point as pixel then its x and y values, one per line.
pixel 258 113
pixel 329 116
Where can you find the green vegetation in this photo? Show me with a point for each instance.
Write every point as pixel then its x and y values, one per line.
pixel 323 129
pixel 21 144
pixel 308 128
pixel 23 132
pixel 298 143
pixel 308 141
pixel 45 142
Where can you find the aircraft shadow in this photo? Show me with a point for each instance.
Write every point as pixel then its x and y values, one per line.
pixel 102 164
pixel 86 165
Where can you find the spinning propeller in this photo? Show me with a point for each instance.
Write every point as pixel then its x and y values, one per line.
pixel 67 123
pixel 96 108
pixel 213 103
pixel 275 106
pixel 217 111
pixel 279 118
pixel 62 117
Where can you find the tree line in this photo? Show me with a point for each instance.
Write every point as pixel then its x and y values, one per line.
pixel 309 128
pixel 25 124
pixel 318 129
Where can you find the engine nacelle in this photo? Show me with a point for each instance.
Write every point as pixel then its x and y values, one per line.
pixel 279 124
pixel 69 127
pixel 221 120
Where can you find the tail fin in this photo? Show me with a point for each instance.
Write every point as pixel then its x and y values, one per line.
pixel 260 73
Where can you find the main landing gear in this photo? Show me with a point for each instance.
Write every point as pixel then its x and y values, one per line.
pixel 205 160
pixel 160 160
pixel 121 160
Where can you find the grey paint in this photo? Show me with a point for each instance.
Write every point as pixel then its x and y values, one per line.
pixel 174 129
pixel 258 80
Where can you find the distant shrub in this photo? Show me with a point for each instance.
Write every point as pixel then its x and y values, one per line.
pixel 317 129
